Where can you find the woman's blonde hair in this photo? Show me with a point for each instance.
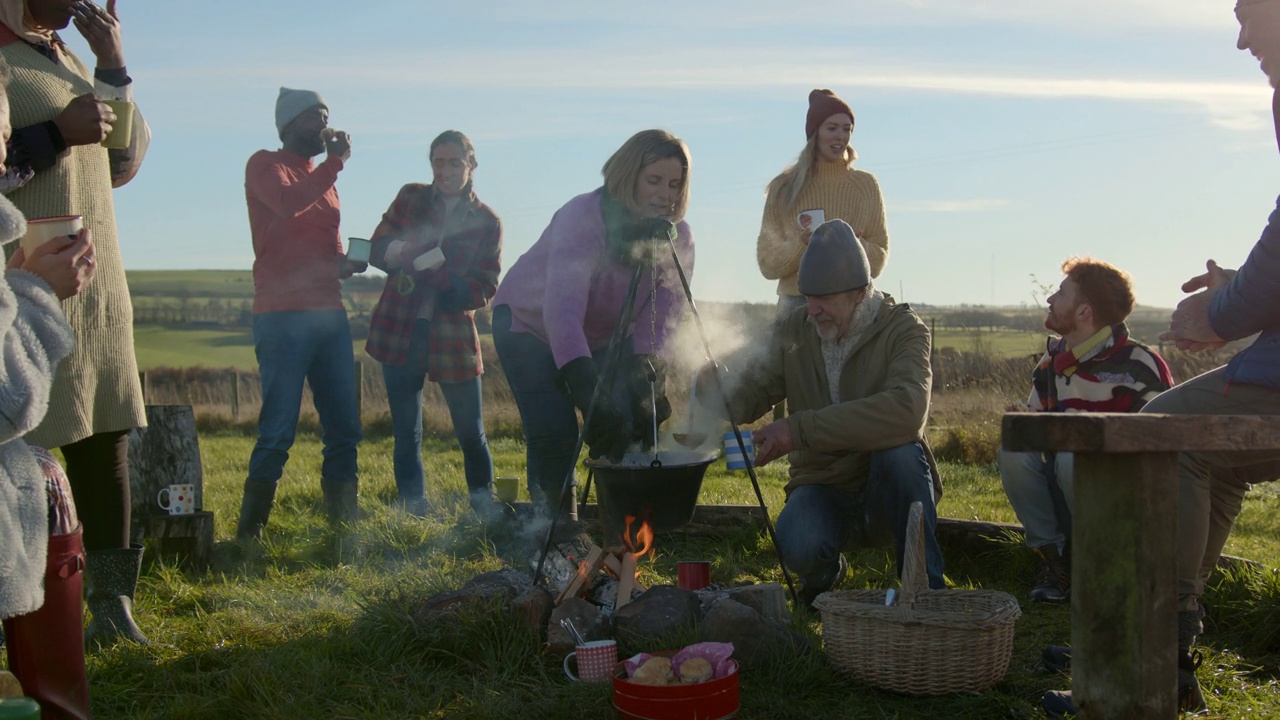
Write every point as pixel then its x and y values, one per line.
pixel 622 169
pixel 792 181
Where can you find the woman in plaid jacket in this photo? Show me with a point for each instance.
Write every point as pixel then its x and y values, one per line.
pixel 441 249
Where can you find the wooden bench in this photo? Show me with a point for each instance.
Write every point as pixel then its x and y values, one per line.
pixel 1124 544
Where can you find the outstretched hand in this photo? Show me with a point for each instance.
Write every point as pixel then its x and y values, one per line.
pixel 1214 276
pixel 1189 326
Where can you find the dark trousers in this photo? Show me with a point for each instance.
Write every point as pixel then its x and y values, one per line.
pixel 98 472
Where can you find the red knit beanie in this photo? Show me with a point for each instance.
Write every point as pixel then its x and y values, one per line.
pixel 822 105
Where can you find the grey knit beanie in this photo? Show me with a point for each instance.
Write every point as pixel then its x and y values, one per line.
pixel 834 262
pixel 293 103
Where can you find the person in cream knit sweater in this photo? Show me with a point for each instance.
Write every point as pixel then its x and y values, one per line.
pixel 96 397
pixel 822 179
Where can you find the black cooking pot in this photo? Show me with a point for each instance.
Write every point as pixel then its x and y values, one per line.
pixel 663 494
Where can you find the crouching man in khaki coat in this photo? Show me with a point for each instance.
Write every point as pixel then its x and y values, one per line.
pixel 853 367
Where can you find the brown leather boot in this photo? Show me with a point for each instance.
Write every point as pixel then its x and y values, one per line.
pixel 46 647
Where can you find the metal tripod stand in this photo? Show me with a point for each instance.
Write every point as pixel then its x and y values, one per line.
pixel 605 384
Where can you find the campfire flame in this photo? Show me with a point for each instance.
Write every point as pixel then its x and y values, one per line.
pixel 643 544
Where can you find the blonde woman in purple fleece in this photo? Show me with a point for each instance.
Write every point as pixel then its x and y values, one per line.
pixel 559 305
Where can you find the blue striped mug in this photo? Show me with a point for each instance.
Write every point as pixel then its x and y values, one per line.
pixel 733 454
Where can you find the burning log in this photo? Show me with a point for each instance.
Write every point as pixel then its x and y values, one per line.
pixel 588 568
pixel 619 561
pixel 626 581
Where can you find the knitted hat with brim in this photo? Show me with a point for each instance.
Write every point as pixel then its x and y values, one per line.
pixel 834 262
pixel 293 103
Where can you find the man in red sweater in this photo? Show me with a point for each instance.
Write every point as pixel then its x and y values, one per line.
pixel 300 328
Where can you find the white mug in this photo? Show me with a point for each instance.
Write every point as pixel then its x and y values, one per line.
pixel 358 249
pixel 42 230
pixel 178 499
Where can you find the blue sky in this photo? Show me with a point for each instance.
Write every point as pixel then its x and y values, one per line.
pixel 1006 135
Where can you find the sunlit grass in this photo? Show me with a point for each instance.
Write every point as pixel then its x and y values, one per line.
pixel 316 623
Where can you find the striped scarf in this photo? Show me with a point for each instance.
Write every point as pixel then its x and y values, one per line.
pixel 1112 373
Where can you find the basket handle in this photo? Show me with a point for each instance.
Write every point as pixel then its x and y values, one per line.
pixel 913 569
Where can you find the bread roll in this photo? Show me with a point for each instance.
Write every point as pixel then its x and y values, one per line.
pixel 655 671
pixel 695 670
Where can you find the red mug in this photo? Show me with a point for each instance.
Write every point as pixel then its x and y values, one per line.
pixel 693 574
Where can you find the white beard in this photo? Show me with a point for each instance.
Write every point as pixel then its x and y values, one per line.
pixel 12 224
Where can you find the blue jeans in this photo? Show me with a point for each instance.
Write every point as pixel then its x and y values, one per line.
pixel 404 395
pixel 819 521
pixel 548 417
pixel 1039 487
pixel 315 346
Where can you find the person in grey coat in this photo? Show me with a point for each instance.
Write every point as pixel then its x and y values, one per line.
pixel 41 552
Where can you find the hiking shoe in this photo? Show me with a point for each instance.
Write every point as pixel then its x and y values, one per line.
pixel 1057 704
pixel 1053 581
pixel 808 595
pixel 1056 658
pixel 1190 697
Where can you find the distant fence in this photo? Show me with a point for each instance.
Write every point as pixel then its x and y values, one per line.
pixel 223 396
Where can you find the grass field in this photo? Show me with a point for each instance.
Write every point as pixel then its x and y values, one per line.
pixel 195 283
pixel 193 344
pixel 315 623
pixel 160 346
pixel 182 347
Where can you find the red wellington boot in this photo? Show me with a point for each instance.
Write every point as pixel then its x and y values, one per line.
pixel 46 647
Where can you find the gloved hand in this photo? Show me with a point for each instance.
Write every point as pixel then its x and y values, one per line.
pixel 605 435
pixel 647 388
pixel 643 241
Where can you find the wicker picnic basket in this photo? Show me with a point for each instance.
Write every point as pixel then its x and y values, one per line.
pixel 930 642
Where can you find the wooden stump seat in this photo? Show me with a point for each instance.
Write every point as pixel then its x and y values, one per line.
pixel 167 452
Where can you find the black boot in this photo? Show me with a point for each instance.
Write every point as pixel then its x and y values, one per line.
pixel 110 579
pixel 1053 581
pixel 1190 697
pixel 255 509
pixel 1056 658
pixel 341 499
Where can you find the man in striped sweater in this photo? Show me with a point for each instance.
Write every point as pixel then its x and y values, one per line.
pixel 1092 366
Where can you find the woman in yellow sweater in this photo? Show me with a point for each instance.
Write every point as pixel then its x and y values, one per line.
pixel 822 180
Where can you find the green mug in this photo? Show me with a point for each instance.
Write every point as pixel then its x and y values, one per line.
pixel 505 488
pixel 122 131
